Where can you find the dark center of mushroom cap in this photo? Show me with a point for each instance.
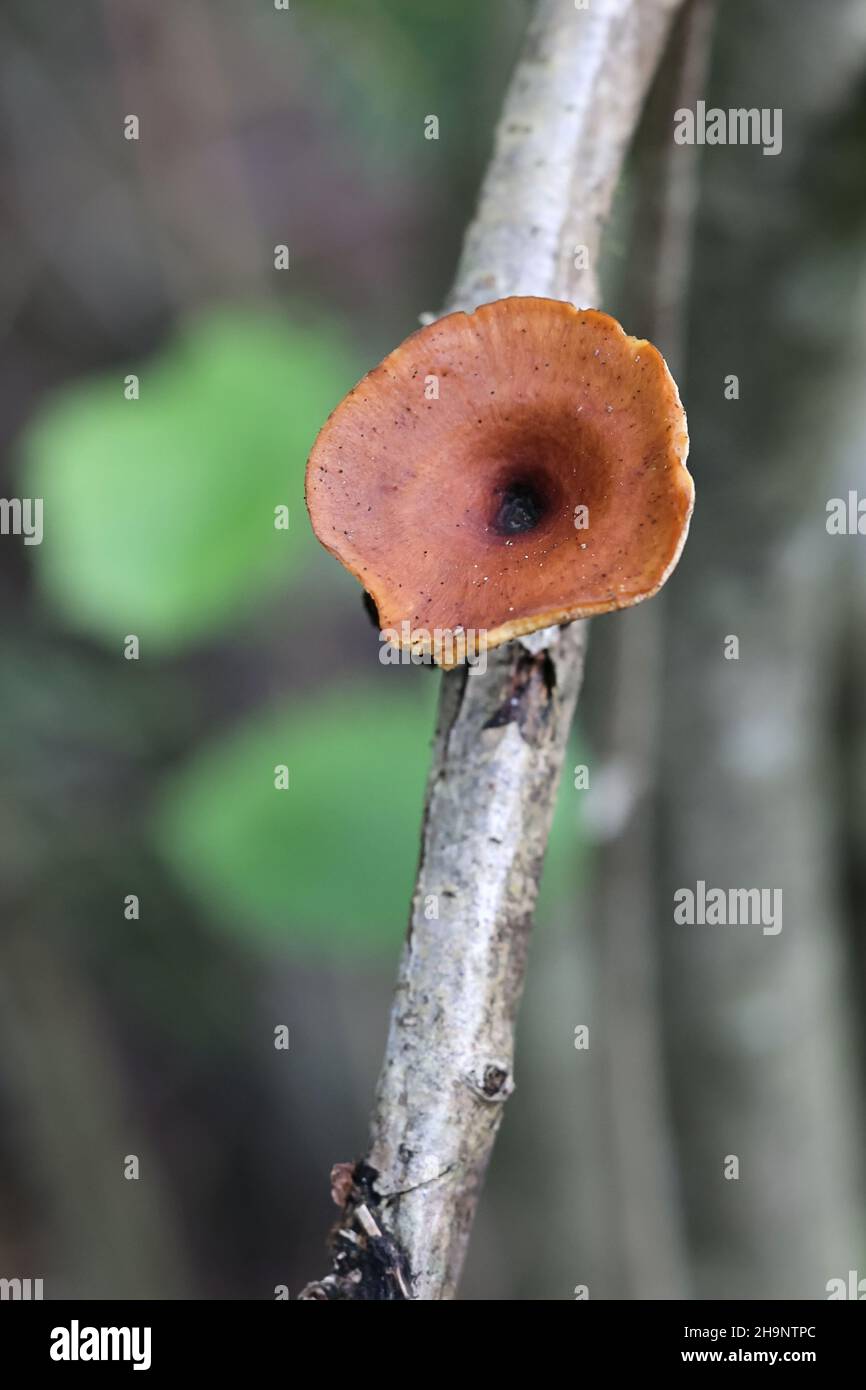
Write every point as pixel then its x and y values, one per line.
pixel 521 506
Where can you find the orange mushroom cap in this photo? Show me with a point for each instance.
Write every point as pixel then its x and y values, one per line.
pixel 504 471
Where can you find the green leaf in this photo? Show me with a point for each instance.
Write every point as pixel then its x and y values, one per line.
pixel 159 512
pixel 328 865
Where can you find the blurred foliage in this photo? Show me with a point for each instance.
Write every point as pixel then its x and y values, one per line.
pixel 440 57
pixel 159 512
pixel 328 864
pixel 257 128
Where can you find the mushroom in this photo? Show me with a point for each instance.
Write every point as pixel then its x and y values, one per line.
pixel 504 471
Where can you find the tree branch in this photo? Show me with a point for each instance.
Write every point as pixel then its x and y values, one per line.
pixel 569 114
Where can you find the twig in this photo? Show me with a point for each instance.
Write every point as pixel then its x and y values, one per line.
pixel 570 111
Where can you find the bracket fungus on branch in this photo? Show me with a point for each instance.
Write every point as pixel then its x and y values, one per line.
pixel 543 478
pixel 572 105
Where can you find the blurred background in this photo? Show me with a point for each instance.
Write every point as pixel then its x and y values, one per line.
pixel 165 909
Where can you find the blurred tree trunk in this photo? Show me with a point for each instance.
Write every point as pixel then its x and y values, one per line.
pixel 110 1237
pixel 639 1242
pixel 759 1035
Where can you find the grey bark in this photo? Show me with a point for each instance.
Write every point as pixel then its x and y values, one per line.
pixel 571 109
